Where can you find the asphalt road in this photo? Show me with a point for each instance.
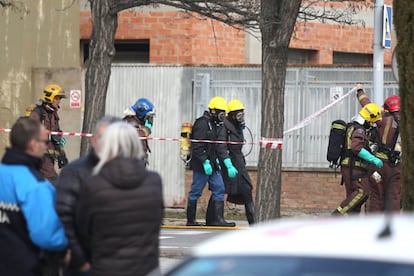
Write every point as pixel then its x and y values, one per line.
pixel 176 242
pixel 179 242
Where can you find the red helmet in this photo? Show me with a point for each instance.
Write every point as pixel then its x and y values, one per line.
pixel 392 103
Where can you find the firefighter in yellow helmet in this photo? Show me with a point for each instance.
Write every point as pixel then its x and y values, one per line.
pixel 358 157
pixel 46 111
pixel 385 191
pixel 205 163
pixel 238 189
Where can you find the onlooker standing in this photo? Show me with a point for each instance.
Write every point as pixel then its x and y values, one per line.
pixel 29 223
pixel 205 163
pixel 121 209
pixel 70 181
pixel 238 189
pixel 46 112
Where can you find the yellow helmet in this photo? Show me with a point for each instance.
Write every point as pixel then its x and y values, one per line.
pixel 234 105
pixel 218 103
pixel 51 91
pixel 371 113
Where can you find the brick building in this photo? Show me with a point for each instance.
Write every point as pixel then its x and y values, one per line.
pixel 168 36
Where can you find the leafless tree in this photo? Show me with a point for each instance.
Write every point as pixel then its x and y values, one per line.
pixel 14 5
pixel 276 22
pixel 404 22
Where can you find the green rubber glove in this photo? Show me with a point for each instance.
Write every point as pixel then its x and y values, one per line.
pixel 207 167
pixel 148 124
pixel 231 170
pixel 367 156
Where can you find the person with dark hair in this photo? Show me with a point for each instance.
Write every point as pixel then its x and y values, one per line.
pixel 29 224
pixel 46 112
pixel 71 179
pixel 121 209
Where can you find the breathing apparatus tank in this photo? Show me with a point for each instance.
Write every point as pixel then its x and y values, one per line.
pixel 29 110
pixel 185 143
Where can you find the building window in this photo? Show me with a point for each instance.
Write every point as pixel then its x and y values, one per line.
pixel 300 56
pixel 352 58
pixel 127 51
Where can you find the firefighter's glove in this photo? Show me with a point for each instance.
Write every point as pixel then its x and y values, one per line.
pixel 364 154
pixel 148 124
pixel 62 160
pixel 63 142
pixel 231 170
pixel 207 167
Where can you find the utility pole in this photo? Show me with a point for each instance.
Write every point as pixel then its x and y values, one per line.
pixel 378 54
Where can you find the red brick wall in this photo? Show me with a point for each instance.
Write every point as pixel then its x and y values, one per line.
pixel 335 38
pixel 310 192
pixel 176 38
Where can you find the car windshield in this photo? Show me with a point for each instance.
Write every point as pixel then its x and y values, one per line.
pixel 288 266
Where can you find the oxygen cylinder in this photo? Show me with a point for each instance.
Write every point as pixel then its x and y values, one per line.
pixel 29 110
pixel 185 143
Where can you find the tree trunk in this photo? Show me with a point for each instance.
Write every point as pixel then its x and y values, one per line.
pixel 277 24
pixel 101 53
pixel 404 22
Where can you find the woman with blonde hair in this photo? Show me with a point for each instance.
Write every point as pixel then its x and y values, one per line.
pixel 121 209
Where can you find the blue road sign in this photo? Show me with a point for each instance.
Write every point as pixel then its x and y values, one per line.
pixel 387 27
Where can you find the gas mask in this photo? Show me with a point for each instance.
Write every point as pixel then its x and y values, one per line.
pixel 218 115
pixel 238 118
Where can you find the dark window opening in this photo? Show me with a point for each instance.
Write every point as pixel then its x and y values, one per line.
pixel 127 51
pixel 352 58
pixel 301 56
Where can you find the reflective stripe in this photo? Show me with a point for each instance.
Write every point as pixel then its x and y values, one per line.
pixel 356 163
pixel 52 152
pixel 352 203
pixel 381 155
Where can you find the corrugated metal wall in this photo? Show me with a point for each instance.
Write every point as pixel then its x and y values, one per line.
pixel 181 94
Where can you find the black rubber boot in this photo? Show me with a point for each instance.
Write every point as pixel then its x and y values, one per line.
pixel 210 212
pixel 249 208
pixel 218 215
pixel 191 213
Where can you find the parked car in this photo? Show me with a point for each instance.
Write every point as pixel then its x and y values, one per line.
pixel 374 245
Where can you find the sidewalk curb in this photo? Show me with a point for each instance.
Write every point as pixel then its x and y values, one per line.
pixel 203 227
pixel 171 223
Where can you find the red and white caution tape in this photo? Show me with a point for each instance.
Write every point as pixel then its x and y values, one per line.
pixel 271 143
pixel 317 114
pixel 266 143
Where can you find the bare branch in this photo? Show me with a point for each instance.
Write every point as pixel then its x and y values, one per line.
pixel 323 11
pixel 243 12
pixel 14 5
pixel 67 7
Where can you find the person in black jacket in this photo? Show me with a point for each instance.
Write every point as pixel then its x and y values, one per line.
pixel 71 179
pixel 205 163
pixel 121 209
pixel 238 189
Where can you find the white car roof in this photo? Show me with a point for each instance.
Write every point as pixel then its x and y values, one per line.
pixel 351 237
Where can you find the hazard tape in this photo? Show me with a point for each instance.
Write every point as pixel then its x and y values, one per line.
pixel 271 143
pixel 266 143
pixel 317 114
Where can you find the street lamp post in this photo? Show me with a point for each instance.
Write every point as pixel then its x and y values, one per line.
pixel 378 53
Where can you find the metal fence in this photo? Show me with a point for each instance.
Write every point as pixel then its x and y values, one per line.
pixel 181 94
